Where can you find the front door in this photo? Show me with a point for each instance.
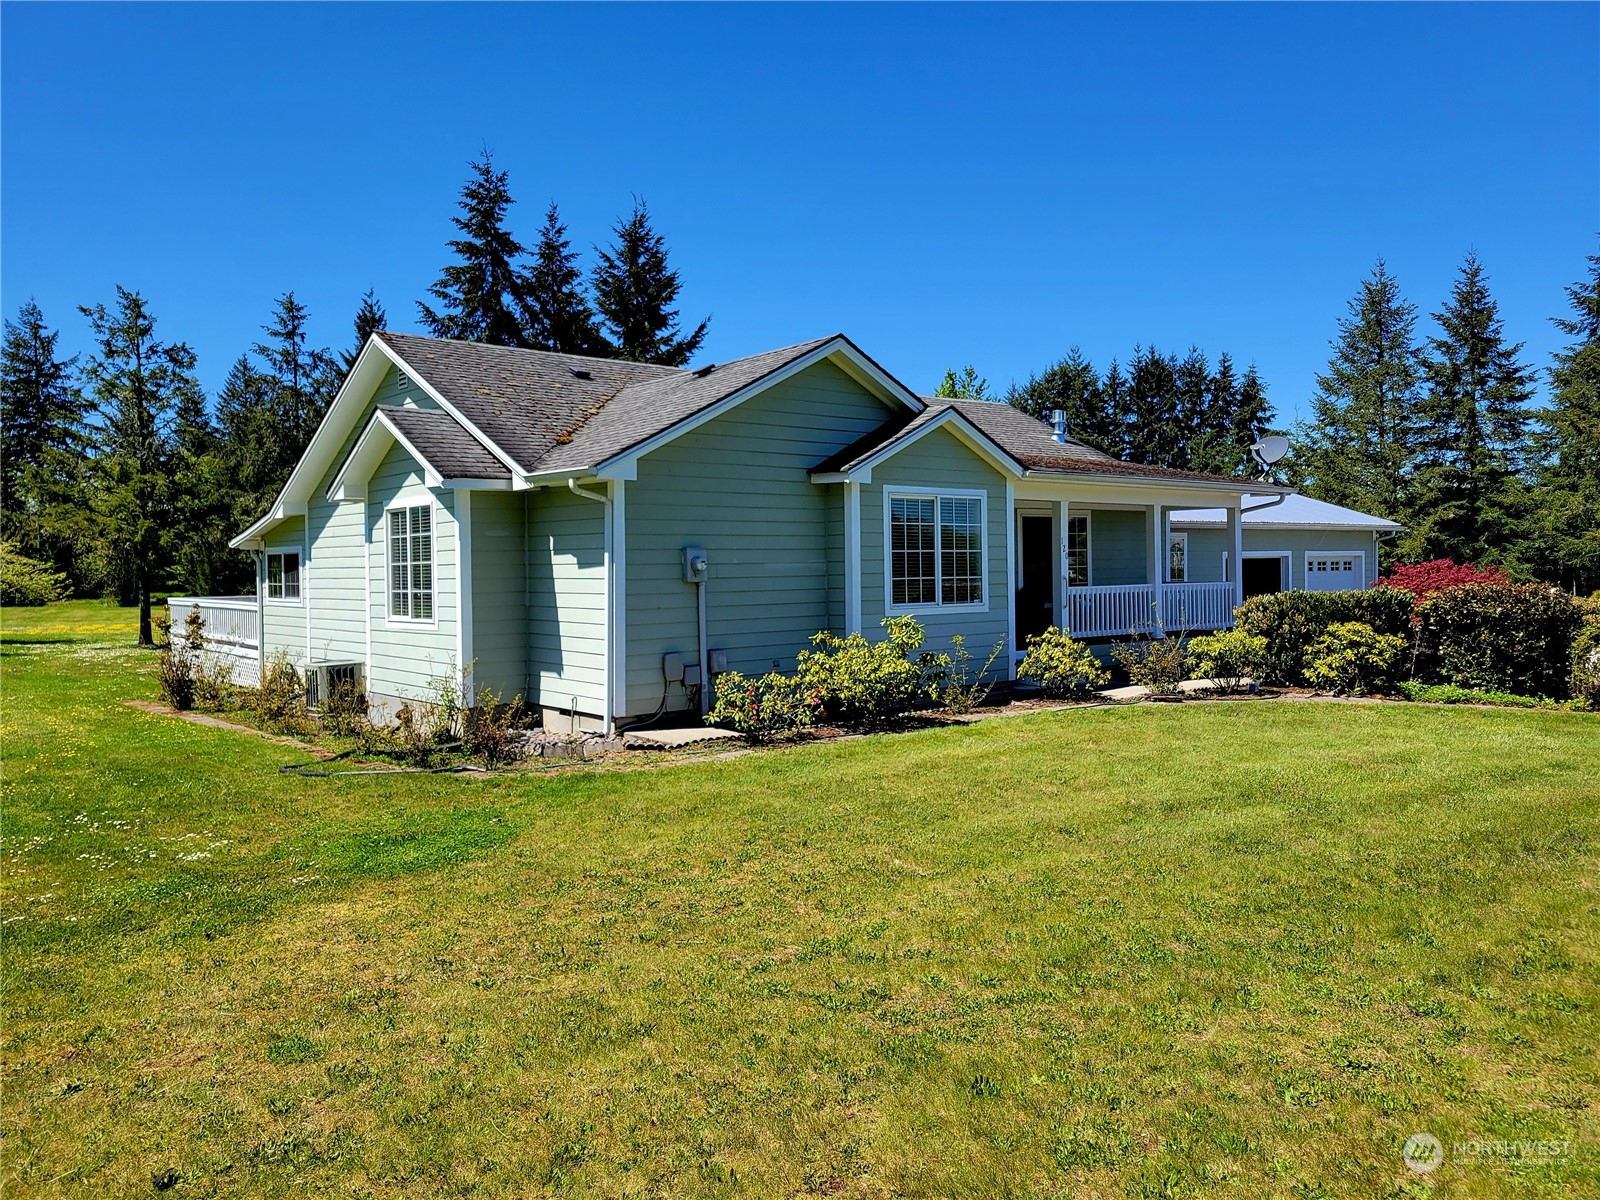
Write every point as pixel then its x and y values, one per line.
pixel 1036 580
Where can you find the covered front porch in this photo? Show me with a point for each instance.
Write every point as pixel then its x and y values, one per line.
pixel 1108 568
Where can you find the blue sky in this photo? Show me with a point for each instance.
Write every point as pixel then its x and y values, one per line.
pixel 947 184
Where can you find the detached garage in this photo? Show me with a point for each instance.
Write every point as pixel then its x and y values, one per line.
pixel 1290 543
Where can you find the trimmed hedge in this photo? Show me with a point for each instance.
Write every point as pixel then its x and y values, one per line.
pixel 1292 621
pixel 1501 637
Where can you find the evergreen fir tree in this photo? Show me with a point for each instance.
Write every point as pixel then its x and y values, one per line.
pixel 1210 445
pixel 1473 423
pixel 1568 527
pixel 564 321
pixel 137 385
pixel 1073 386
pixel 1359 447
pixel 634 290
pixel 202 509
pixel 1251 418
pixel 304 383
pixel 1192 413
pixel 370 319
pixel 1118 417
pixel 962 385
pixel 484 296
pixel 1154 437
pixel 41 416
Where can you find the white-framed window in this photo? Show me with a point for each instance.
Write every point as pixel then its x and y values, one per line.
pixel 937 552
pixel 1077 550
pixel 1177 557
pixel 411 562
pixel 283 576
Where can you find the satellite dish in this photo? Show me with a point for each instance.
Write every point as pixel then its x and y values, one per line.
pixel 1269 450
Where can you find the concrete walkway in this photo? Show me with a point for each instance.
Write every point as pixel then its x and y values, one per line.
pixel 674 739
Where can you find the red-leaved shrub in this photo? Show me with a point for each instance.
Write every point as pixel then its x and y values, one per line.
pixel 1427 579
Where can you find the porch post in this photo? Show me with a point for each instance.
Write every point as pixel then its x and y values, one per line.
pixel 1158 552
pixel 1058 583
pixel 1236 554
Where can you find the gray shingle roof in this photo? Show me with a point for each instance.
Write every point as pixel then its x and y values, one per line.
pixel 1023 437
pixel 448 448
pixel 532 406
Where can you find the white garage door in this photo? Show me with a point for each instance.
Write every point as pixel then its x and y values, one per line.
pixel 1335 572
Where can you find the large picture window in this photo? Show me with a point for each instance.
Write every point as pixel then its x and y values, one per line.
pixel 283 575
pixel 411 562
pixel 935 551
pixel 1078 551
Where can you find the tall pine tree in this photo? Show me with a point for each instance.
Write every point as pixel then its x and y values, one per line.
pixel 1359 446
pixel 304 381
pixel 1473 425
pixel 484 296
pixel 564 320
pixel 1153 431
pixel 370 319
pixel 138 385
pixel 1073 386
pixel 41 416
pixel 1568 523
pixel 634 290
pixel 962 385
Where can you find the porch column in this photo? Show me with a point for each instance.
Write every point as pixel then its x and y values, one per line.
pixel 1058 592
pixel 1236 553
pixel 1158 552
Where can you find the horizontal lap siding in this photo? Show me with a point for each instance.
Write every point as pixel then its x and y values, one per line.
pixel 1117 546
pixel 938 460
pixel 567 601
pixel 738 486
pixel 500 631
pixel 337 582
pixel 1207 546
pixel 408 658
pixel 283 625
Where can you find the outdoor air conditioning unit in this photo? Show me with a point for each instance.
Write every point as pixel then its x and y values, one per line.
pixel 323 679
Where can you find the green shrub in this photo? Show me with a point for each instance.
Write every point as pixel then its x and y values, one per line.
pixel 1353 657
pixel 862 683
pixel 762 709
pixel 1227 659
pixel 1501 637
pixel 1291 621
pixel 1062 667
pixel 27 582
pixel 182 661
pixel 1585 676
pixel 1449 693
pixel 1158 663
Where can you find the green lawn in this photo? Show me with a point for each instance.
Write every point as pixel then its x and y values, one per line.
pixel 1163 950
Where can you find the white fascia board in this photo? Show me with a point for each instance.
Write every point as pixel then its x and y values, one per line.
pixel 838 348
pixel 381 433
pixel 1179 493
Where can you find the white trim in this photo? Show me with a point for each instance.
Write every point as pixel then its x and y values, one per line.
pixel 619 605
pixel 1236 537
pixel 390 621
pixel 964 430
pixel 464 649
pixel 1177 535
pixel 852 558
pixel 1285 569
pixel 1156 563
pixel 936 494
pixel 1012 528
pixel 298 600
pixel 1308 555
pixel 428 389
pixel 838 345
pixel 608 626
pixel 366 591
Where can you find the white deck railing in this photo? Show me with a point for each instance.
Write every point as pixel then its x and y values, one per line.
pixel 1122 609
pixel 232 622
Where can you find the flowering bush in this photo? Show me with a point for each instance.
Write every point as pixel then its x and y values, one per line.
pixel 1501 637
pixel 1291 621
pixel 1061 666
pixel 1354 657
pixel 864 683
pixel 1424 580
pixel 1228 659
pixel 764 708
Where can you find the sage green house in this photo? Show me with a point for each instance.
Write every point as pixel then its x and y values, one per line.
pixel 604 538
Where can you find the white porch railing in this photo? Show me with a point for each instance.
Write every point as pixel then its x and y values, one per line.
pixel 1119 610
pixel 232 622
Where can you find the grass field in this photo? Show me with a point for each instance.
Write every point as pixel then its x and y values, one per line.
pixel 1155 951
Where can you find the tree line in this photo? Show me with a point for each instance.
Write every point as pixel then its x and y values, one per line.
pixel 121 476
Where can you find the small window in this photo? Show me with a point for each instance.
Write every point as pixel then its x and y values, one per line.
pixel 1077 551
pixel 935 551
pixel 283 575
pixel 1177 557
pixel 411 563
